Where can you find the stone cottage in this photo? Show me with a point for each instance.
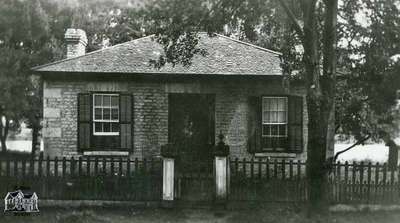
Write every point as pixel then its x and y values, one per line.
pixel 113 102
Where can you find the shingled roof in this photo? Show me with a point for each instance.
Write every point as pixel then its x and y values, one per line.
pixel 226 56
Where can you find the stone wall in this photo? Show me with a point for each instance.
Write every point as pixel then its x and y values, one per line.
pixel 151 112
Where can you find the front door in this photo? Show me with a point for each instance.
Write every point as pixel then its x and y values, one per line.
pixel 192 131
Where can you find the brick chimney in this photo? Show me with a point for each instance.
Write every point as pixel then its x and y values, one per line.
pixel 76 42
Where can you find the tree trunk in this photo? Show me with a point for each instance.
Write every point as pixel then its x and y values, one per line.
pixel 35 134
pixel 393 154
pixel 3 134
pixel 320 94
pixel 320 98
pixel 317 126
pixel 328 79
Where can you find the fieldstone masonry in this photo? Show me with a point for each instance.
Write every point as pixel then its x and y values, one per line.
pixel 76 42
pixel 150 113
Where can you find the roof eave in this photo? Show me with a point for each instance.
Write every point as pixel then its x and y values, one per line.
pixel 41 72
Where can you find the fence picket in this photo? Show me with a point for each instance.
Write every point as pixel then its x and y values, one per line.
pixel 128 167
pixel 120 167
pixel 369 182
pixel 252 169
pixel 15 165
pixel 112 169
pixel 337 192
pixel 48 166
pixel 361 180
pixel 96 166
pixel 80 166
pixel 23 168
pixel 384 185
pixel 72 166
pixel 40 167
pixel 298 170
pixel 56 166
pixel 88 166
pixel 64 166
pixel 136 165
pixel 353 182
pixel 346 180
pixel 391 183
pixel 376 182
pixel 244 167
pixel 8 167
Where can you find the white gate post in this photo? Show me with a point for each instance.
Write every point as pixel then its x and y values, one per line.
pixel 221 167
pixel 168 153
pixel 221 177
pixel 168 179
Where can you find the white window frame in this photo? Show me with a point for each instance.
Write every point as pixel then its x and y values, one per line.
pixel 103 120
pixel 274 123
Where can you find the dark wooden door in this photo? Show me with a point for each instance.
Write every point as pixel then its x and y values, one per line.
pixel 192 123
pixel 192 131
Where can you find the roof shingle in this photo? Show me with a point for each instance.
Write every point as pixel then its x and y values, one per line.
pixel 225 56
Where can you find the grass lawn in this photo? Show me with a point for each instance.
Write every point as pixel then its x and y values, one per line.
pixel 125 215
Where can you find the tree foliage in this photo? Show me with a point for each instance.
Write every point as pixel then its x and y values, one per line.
pixel 367 90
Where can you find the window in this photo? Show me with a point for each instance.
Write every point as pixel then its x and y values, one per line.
pixel 105 114
pixel 274 117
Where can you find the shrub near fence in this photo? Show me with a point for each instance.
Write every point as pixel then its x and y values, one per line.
pixel 93 178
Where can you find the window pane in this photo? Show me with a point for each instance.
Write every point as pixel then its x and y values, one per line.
pixel 107 126
pixel 282 130
pixel 115 127
pixel 97 113
pixel 274 130
pixel 281 104
pixel 98 127
pixel 265 117
pixel 274 106
pixel 265 104
pixel 106 100
pixel 273 117
pixel 281 117
pixel 106 113
pixel 114 114
pixel 266 130
pixel 114 101
pixel 97 100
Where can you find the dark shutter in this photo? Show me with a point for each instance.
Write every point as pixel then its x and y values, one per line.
pixel 295 132
pixel 126 117
pixel 254 124
pixel 84 121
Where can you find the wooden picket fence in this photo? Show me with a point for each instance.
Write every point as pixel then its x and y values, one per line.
pixel 282 180
pixel 107 178
pixel 265 180
pixel 364 183
pixel 89 178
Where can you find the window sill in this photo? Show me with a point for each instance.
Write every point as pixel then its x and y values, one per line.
pixel 105 153
pixel 276 154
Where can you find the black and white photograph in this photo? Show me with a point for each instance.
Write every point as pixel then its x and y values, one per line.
pixel 200 111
